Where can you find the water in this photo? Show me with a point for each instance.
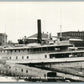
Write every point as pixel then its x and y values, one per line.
pixel 10 79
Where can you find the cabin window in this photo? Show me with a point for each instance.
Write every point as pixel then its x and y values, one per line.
pixel 27 49
pixel 45 56
pixel 11 51
pixel 59 55
pixel 9 57
pixel 27 57
pixel 26 71
pixel 22 57
pixel 19 50
pixel 44 49
pixel 23 50
pixel 44 75
pixel 16 57
pixel 15 50
pixel 9 67
pixel 21 70
pixel 50 48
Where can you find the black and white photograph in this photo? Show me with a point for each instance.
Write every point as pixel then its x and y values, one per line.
pixel 42 41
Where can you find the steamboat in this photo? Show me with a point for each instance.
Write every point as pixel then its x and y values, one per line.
pixel 61 51
pixel 24 58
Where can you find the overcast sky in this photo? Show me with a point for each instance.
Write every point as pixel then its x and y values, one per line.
pixel 19 19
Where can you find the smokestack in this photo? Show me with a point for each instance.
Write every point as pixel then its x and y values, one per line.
pixel 39 36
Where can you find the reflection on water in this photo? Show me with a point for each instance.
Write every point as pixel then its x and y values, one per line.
pixel 9 79
pixel 14 72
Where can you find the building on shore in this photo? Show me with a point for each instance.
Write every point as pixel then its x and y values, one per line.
pixel 3 39
pixel 75 37
pixel 72 34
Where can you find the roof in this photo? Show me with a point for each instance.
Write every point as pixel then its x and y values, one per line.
pixel 34 36
pixel 4 34
pixel 32 45
pixel 72 32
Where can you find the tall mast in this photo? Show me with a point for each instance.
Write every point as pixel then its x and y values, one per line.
pixel 60 30
pixel 60 24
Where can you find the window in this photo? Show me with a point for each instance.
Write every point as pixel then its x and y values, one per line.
pixel 16 57
pixel 44 75
pixel 27 57
pixel 9 57
pixel 19 50
pixel 45 56
pixel 23 50
pixel 9 67
pixel 27 49
pixel 11 51
pixel 21 70
pixel 15 50
pixel 22 57
pixel 26 71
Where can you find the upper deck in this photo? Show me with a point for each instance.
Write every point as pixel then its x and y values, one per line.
pixel 38 47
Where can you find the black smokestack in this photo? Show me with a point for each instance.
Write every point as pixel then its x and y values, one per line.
pixel 39 36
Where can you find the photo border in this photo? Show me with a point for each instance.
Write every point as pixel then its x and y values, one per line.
pixel 41 1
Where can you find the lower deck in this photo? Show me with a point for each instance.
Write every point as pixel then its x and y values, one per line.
pixel 50 57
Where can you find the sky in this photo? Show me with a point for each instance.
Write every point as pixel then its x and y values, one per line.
pixel 19 19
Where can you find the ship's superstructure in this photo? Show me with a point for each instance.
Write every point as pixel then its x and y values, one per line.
pixel 42 53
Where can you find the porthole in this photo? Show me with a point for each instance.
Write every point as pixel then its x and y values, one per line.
pixel 26 71
pixel 16 57
pixel 9 57
pixel 21 70
pixel 9 67
pixel 45 56
pixel 27 57
pixel 44 75
pixel 22 57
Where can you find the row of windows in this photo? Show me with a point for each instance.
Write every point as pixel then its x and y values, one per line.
pixel 22 70
pixel 23 57
pixel 16 69
pixel 2 51
pixel 17 57
pixel 66 55
pixel 73 34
